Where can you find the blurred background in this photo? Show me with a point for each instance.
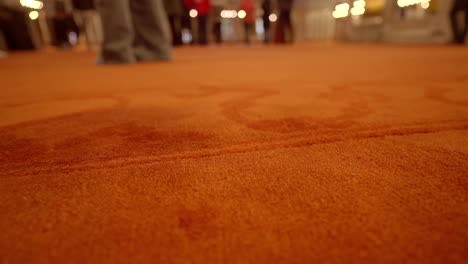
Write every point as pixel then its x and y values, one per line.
pixel 37 24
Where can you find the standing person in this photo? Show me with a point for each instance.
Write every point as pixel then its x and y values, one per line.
pixel 249 21
pixel 218 7
pixel 174 11
pixel 459 34
pixel 266 6
pixel 286 28
pixel 203 8
pixel 86 18
pixel 133 31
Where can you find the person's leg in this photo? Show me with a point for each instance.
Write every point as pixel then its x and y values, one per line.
pixel 202 26
pixel 151 43
pixel 217 32
pixel 465 32
pixel 89 30
pixel 454 21
pixel 266 27
pixel 177 30
pixel 283 25
pixel 289 27
pixel 117 32
pixel 172 25
pixel 247 32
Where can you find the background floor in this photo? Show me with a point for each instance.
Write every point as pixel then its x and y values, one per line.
pixel 299 154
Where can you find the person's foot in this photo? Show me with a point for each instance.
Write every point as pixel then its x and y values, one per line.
pixel 155 58
pixel 145 55
pixel 113 60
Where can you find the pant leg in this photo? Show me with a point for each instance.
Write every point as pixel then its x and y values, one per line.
pixel 266 27
pixel 454 21
pixel 172 25
pixel 202 27
pixel 289 27
pixel 177 30
pixel 248 32
pixel 465 32
pixel 217 32
pixel 117 32
pixel 89 27
pixel 151 43
pixel 283 25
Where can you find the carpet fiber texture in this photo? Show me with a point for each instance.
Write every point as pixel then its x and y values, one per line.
pixel 297 154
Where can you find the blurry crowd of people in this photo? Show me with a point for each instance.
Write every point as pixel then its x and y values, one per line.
pixel 178 12
pixel 133 30
pixel 137 30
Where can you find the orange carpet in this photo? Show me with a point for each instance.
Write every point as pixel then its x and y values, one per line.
pixel 297 154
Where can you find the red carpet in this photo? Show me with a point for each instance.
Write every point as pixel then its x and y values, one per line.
pixel 304 154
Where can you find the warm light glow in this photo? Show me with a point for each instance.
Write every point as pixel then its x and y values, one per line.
pixel 33 15
pixel 426 4
pixel 273 18
pixel 341 10
pixel 359 3
pixel 241 14
pixel 32 4
pixel 358 8
pixel 193 13
pixel 230 13
pixel 405 3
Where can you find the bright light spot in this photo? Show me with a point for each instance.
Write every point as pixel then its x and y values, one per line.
pixel 355 11
pixel 242 14
pixel 273 17
pixel 230 13
pixel 358 8
pixel 359 3
pixel 33 15
pixel 405 3
pixel 32 4
pixel 425 5
pixel 342 7
pixel 193 13
pixel 341 10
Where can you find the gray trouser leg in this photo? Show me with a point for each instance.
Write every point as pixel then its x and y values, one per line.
pixel 150 22
pixel 118 32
